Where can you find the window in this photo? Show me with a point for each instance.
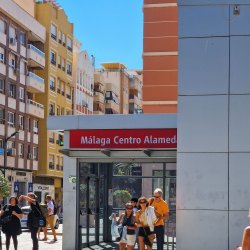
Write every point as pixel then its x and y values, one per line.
pixel 62 86
pixel 78 74
pixel 11 119
pixel 58 110
pixel 11 90
pixel 81 78
pixel 21 119
pixel 69 45
pixel 12 61
pixel 21 94
pixel 58 87
pixel 53 57
pixel 68 68
pixel 60 36
pixel 1 86
pixel 1 116
pixel 62 111
pixel 28 149
pixel 57 163
pixel 52 83
pixel 12 32
pixel 22 38
pixel 10 144
pixel 22 67
pixel 2 26
pixel 20 150
pixel 28 124
pixel 53 31
pixel 1 143
pixel 63 64
pixel 59 61
pixel 35 154
pixel 67 112
pixel 35 127
pixel 51 109
pixel 51 137
pixel 51 161
pixel 64 44
pixel 2 55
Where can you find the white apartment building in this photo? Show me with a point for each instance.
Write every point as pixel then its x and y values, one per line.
pixel 83 81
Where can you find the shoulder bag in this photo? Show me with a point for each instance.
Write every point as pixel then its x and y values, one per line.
pixel 39 221
pixel 148 238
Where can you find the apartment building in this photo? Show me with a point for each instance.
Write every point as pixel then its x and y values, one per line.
pixel 99 93
pixel 22 55
pixel 57 99
pixel 160 56
pixel 83 80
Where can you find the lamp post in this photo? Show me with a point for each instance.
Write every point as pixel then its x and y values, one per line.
pixel 5 157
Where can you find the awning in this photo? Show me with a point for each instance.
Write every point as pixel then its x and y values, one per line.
pixel 113 65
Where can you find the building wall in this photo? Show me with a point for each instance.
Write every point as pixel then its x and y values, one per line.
pixel 160 56
pixel 27 5
pixel 213 125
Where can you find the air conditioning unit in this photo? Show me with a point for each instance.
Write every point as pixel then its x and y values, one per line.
pixel 12 152
pixel 95 93
pixel 106 101
pixel 13 41
pixel 17 72
pixel 29 156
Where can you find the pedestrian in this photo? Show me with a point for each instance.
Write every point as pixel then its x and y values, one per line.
pixel 134 202
pixel 162 207
pixel 13 227
pixel 146 218
pixel 59 207
pixel 127 220
pixel 50 220
pixel 35 212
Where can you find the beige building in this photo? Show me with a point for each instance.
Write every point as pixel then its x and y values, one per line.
pixel 83 80
pixel 22 56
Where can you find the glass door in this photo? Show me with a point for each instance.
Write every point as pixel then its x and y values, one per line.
pixel 89 205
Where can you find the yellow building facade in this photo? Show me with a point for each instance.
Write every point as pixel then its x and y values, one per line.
pixel 57 99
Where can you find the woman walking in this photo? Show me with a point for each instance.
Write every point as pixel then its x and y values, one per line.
pixel 12 228
pixel 127 220
pixel 146 217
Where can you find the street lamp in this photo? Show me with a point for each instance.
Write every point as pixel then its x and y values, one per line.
pixel 5 156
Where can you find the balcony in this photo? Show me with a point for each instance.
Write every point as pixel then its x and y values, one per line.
pixel 60 41
pixel 51 166
pixel 98 78
pixel 70 49
pixel 68 96
pixel 98 112
pixel 2 98
pixel 63 69
pixel 58 91
pixel 34 83
pixel 2 68
pixel 53 62
pixel 51 140
pixel 69 72
pixel 134 83
pixel 134 99
pixel 61 168
pixel 35 57
pixel 112 105
pixel 3 38
pixel 53 36
pixel 51 113
pixel 57 167
pixel 59 66
pixel 111 87
pixel 35 109
pixel 64 44
pixel 98 97
pixel 63 93
pixel 52 87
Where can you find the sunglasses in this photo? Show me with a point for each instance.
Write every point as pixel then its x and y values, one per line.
pixel 142 202
pixel 129 208
pixel 157 197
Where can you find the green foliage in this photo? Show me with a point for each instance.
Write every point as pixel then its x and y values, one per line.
pixel 122 196
pixel 4 187
pixel 122 169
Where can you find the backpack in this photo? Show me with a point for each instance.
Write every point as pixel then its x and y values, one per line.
pixel 55 210
pixel 44 210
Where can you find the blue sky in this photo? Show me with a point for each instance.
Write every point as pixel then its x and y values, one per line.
pixel 111 30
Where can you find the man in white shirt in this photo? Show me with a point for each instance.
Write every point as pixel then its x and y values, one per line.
pixel 50 219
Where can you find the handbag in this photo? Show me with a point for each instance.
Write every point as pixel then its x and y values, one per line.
pixel 148 238
pixel 38 221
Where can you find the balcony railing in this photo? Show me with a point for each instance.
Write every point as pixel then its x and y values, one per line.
pixel 51 140
pixel 36 77
pixel 131 96
pixel 30 46
pixel 68 96
pixel 52 87
pixel 53 62
pixel 63 69
pixel 70 49
pixel 58 91
pixel 51 113
pixel 63 93
pixel 69 72
pixel 57 167
pixel 51 166
pixel 64 44
pixel 35 130
pixel 29 101
pixel 53 36
pixel 60 41
pixel 59 66
pixel 2 121
pixel 61 168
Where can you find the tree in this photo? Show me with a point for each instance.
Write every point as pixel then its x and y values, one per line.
pixel 4 187
pixel 122 196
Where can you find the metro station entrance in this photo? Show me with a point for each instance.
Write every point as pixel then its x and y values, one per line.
pixel 104 188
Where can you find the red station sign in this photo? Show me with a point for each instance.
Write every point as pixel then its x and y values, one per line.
pixel 123 139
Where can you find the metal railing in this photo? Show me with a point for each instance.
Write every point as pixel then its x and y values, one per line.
pixel 31 74
pixel 52 87
pixel 63 93
pixel 51 166
pixel 53 36
pixel 58 91
pixel 60 41
pixel 68 96
pixel 30 46
pixel 69 72
pixel 63 68
pixel 59 66
pixel 53 62
pixel 29 101
pixel 64 44
pixel 70 49
pixel 51 140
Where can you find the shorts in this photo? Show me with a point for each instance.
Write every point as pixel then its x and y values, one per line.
pixel 50 221
pixel 143 230
pixel 130 240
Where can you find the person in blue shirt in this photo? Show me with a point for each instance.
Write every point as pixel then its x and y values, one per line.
pixel 127 220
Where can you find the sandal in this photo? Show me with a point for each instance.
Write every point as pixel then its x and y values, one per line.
pixel 54 240
pixel 44 239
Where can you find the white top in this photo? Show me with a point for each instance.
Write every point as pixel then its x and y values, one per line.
pixel 134 210
pixel 51 206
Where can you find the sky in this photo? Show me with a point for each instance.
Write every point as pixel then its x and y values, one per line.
pixel 110 30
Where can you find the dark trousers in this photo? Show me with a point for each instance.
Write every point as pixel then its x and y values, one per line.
pixel 33 231
pixel 159 233
pixel 14 237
